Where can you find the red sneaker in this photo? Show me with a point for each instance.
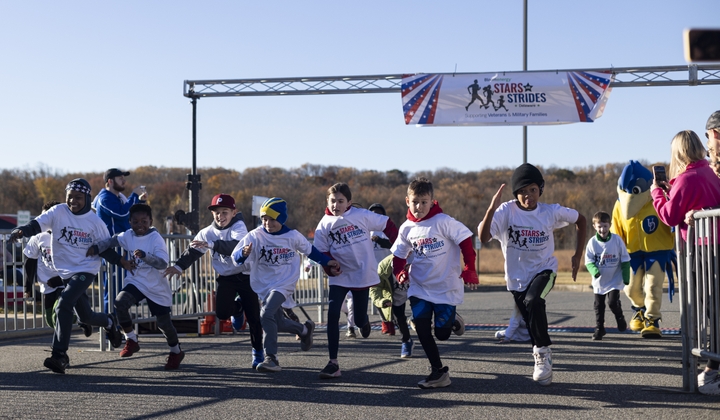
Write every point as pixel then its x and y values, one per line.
pixel 388 328
pixel 131 347
pixel 174 359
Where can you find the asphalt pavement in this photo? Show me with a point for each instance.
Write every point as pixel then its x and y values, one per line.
pixel 623 376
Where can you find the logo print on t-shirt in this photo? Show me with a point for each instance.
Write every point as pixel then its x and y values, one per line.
pixel 421 245
pixel 275 256
pixel 344 234
pixel 74 237
pixel 523 236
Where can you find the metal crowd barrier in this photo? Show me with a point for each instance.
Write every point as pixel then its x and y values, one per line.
pixel 698 275
pixel 193 291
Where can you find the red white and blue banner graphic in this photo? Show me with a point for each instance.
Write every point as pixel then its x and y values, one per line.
pixel 528 98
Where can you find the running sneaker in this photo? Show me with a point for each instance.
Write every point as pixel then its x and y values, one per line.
pixel 407 349
pixel 270 364
pixel 306 341
pixel 257 358
pixel 599 333
pixel 706 377
pixel 711 388
pixel 351 333
pixel 438 378
pixel 113 332
pixel 331 371
pixel 365 330
pixel 57 364
pixel 459 325
pixel 543 365
pixel 621 323
pixel 174 359
pixel 131 347
pixel 86 329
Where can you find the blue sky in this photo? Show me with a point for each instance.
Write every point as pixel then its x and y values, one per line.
pixel 90 85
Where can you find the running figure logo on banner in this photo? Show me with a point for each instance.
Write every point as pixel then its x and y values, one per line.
pixel 505 99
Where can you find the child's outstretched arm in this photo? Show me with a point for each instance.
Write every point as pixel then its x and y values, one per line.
pixel 469 273
pixel 331 266
pixel 484 227
pixel 580 227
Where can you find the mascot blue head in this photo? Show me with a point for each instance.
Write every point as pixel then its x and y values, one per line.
pixel 635 178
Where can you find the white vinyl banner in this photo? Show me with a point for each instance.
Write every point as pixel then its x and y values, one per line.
pixel 528 98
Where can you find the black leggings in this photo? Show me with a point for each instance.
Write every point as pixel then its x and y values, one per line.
pixel 613 298
pixel 228 287
pixel 399 313
pixel 531 303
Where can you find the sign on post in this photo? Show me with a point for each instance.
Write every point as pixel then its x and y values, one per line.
pixel 23 217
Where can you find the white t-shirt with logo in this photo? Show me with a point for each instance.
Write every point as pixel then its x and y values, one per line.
pixel 348 239
pixel 274 260
pixel 608 257
pixel 38 247
pixel 223 264
pixel 435 271
pixel 72 235
pixel 148 280
pixel 527 241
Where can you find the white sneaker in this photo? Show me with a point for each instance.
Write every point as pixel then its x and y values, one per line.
pixel 711 388
pixel 706 377
pixel 500 335
pixel 543 365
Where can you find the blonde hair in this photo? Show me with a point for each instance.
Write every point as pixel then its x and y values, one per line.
pixel 686 148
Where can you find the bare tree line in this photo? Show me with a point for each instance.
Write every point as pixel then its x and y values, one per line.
pixel 463 195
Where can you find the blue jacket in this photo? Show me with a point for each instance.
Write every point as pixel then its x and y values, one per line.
pixel 112 211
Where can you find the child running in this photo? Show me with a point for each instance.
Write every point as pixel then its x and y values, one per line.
pixel 390 296
pixel 74 229
pixel 344 235
pixel 524 227
pixel 275 268
pixel 39 265
pixel 221 237
pixel 436 278
pixel 608 261
pixel 146 281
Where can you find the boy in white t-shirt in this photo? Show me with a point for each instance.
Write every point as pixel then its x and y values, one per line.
pixel 273 253
pixel 149 257
pixel 75 228
pixel 220 238
pixel 39 265
pixel 524 227
pixel 436 277
pixel 608 261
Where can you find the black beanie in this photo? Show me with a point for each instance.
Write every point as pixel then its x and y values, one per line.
pixel 377 206
pixel 525 175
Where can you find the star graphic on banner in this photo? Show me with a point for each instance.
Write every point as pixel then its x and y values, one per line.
pixel 528 87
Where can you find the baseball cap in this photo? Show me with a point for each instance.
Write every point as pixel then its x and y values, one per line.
pixel 113 172
pixel 713 121
pixel 222 200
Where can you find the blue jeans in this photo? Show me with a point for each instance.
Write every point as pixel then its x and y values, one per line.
pixel 336 298
pixel 74 296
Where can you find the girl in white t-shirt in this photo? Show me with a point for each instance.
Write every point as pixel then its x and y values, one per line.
pixel 344 235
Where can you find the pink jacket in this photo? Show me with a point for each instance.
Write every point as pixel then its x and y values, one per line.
pixel 695 189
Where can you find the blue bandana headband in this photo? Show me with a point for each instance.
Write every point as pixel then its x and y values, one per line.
pixel 77 186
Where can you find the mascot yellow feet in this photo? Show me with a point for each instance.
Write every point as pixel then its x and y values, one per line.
pixel 652 329
pixel 637 323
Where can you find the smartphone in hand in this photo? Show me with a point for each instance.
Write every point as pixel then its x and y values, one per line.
pixel 660 176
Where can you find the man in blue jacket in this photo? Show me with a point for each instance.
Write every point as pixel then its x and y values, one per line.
pixel 114 209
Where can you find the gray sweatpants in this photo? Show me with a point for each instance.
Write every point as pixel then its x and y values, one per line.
pixel 273 321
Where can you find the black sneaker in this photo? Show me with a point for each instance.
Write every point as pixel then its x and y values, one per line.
pixel 113 333
pixel 306 341
pixel 621 323
pixel 438 378
pixel 599 333
pixel 57 364
pixel 331 371
pixel 86 329
pixel 365 330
